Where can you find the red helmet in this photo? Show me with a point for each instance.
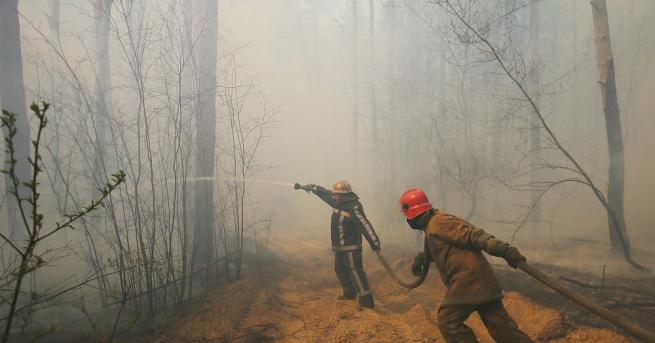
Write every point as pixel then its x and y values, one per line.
pixel 413 203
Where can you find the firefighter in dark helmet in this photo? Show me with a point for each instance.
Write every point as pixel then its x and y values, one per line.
pixel 348 225
pixel 455 247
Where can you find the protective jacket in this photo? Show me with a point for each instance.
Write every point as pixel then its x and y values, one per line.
pixel 455 247
pixel 348 222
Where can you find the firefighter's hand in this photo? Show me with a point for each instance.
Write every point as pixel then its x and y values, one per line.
pixel 376 247
pixel 419 266
pixel 307 188
pixel 513 256
pixel 310 187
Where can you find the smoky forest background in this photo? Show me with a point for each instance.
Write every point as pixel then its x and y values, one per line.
pixel 150 146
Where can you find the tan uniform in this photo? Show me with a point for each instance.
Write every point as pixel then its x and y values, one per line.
pixel 455 247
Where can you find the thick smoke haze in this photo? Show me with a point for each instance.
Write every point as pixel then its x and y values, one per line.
pixel 303 59
pixel 386 94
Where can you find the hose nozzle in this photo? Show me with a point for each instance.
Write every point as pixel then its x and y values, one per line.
pixel 297 186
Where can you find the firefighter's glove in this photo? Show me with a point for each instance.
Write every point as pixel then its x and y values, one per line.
pixel 309 188
pixel 376 246
pixel 513 256
pixel 420 265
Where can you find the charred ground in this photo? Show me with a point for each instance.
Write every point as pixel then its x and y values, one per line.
pixel 291 297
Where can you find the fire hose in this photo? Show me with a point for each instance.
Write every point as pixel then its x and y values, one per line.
pixel 410 285
pixel 620 321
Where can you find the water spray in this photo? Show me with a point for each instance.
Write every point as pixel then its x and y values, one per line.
pixel 239 179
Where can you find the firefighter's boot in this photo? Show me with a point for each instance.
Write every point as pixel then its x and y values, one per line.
pixel 366 301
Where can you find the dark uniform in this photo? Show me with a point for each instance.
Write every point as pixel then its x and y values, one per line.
pixel 455 247
pixel 348 224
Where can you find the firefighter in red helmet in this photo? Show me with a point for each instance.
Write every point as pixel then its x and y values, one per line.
pixel 455 247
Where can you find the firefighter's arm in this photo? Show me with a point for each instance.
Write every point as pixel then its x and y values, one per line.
pixel 456 232
pixel 323 194
pixel 464 235
pixel 365 227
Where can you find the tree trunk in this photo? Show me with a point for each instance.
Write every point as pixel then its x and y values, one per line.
pixel 607 81
pixel 390 163
pixel 315 28
pixel 102 17
pixel 373 97
pixel 53 15
pixel 355 65
pixel 535 132
pixel 203 225
pixel 12 94
pixel 576 76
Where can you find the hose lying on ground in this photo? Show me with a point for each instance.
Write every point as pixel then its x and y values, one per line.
pixel 620 321
pixel 410 285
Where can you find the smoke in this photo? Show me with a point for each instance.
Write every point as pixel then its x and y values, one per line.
pixel 407 105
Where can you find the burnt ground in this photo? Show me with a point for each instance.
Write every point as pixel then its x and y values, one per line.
pixel 292 298
pixel 628 297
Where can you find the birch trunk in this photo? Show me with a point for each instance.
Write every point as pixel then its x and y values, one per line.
pixel 12 95
pixel 607 81
pixel 203 225
pixel 355 65
pixel 535 133
pixel 373 96
pixel 102 18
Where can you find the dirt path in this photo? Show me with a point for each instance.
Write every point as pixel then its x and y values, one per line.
pixel 292 298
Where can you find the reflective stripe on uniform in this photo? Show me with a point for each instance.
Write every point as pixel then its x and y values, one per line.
pixel 366 224
pixel 346 248
pixel 341 213
pixel 358 281
pixel 341 241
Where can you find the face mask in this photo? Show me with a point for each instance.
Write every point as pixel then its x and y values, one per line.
pixel 421 221
pixel 415 223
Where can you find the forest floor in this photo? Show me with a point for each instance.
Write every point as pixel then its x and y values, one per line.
pixel 291 297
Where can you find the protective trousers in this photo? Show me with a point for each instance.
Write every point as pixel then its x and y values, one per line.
pixel 350 271
pixel 494 316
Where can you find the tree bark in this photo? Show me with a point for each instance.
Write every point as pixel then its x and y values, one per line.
pixel 535 132
pixel 576 76
pixel 373 95
pixel 206 134
pixel 102 18
pixel 355 65
pixel 53 15
pixel 607 81
pixel 12 94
